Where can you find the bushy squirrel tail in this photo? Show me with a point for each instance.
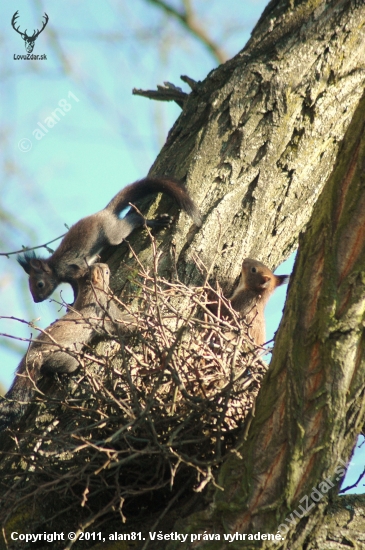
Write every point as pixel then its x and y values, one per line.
pixel 148 186
pixel 15 401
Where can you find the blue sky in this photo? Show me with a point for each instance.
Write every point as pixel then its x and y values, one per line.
pixel 105 137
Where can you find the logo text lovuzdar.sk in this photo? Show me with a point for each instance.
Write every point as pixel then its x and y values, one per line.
pixel 29 40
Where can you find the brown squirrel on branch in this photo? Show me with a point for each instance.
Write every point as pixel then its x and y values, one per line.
pixel 256 285
pixel 56 349
pixel 91 235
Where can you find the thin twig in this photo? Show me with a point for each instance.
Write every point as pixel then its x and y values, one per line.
pixel 190 23
pixel 28 248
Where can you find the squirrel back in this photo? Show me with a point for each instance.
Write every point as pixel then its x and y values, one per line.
pixel 86 239
pixel 56 349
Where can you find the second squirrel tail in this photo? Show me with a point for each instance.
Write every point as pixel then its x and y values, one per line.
pixel 148 186
pixel 13 405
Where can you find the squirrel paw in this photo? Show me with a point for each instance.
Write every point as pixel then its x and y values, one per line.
pixel 161 221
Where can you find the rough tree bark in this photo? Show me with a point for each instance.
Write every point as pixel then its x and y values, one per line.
pixel 311 406
pixel 257 138
pixel 256 142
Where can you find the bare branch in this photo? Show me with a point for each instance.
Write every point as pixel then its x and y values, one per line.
pixel 168 92
pixel 189 22
pixel 26 248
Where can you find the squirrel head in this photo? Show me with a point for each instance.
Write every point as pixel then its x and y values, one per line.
pixel 255 276
pixel 42 281
pixel 99 275
pixel 97 279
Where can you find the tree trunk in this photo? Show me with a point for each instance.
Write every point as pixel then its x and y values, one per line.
pixel 257 139
pixel 256 142
pixel 310 409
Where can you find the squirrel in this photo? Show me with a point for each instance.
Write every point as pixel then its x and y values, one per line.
pixel 92 312
pixel 89 236
pixel 256 284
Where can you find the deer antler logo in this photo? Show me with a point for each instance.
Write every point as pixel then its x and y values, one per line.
pixel 29 40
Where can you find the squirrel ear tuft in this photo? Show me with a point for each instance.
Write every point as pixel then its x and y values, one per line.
pixel 282 279
pixel 25 260
pixel 30 262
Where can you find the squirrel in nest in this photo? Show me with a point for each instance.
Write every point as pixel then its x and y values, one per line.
pixel 55 350
pixel 86 239
pixel 256 285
